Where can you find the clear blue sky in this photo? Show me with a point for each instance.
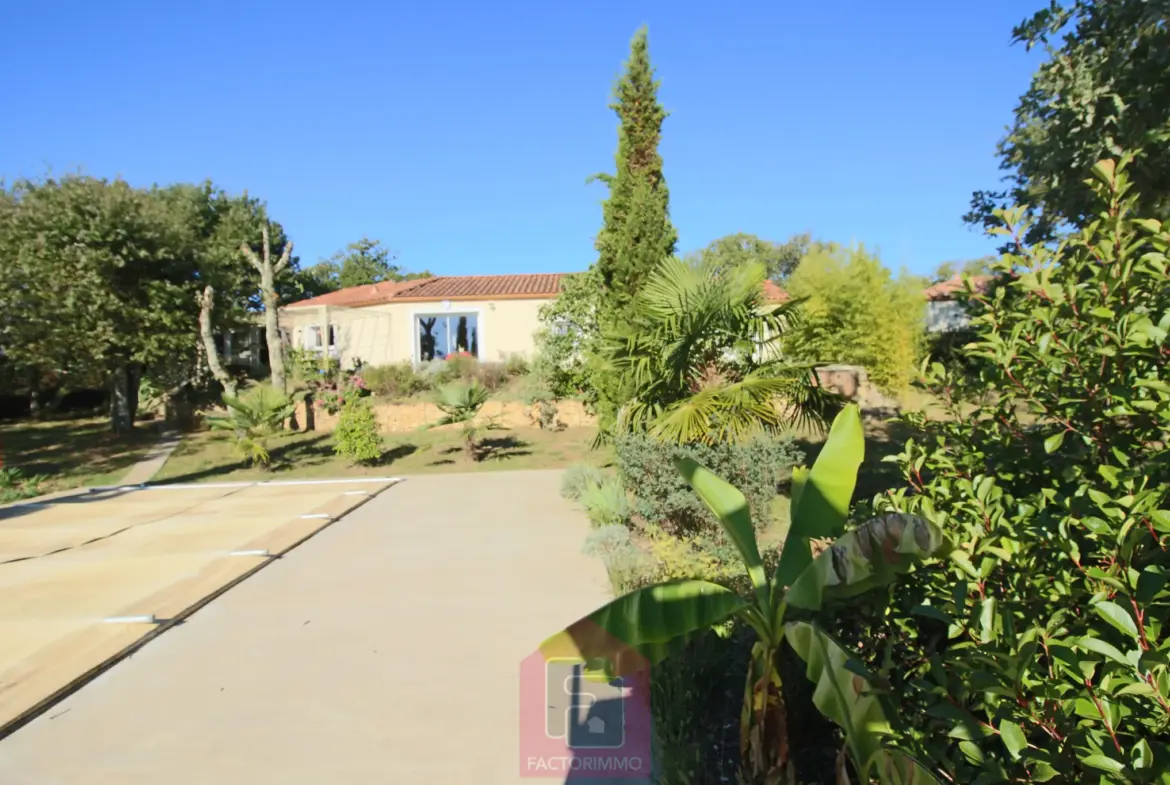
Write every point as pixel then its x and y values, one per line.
pixel 462 135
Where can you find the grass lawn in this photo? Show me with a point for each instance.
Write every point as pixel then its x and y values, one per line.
pixel 207 457
pixel 73 453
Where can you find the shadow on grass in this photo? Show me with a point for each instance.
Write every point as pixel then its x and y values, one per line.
pixel 68 447
pixel 502 448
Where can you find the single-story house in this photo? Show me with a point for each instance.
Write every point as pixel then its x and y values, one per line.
pixel 490 316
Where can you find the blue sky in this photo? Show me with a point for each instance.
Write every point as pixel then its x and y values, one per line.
pixel 461 133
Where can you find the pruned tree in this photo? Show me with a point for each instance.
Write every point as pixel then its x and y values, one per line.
pixel 206 301
pixel 268 271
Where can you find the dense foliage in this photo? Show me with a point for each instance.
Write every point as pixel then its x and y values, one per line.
pixel 1105 88
pixel 857 312
pixel 636 232
pixel 99 280
pixel 778 259
pixel 251 418
pixel 1042 654
pixel 356 436
pixel 664 498
pixel 698 359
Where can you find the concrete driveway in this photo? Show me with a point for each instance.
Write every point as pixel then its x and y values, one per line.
pixel 83 574
pixel 384 650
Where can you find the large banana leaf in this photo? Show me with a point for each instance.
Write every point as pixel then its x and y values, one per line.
pixel 871 555
pixel 637 629
pixel 848 699
pixel 820 501
pixel 731 508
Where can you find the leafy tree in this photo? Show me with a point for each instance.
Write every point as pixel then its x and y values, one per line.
pixel 568 335
pixel 1105 87
pixel 856 312
pixel 363 262
pixel 105 279
pixel 637 233
pixel 970 268
pixel 779 259
pixel 1042 653
pixel 699 360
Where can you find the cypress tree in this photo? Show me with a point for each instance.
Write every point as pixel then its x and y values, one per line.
pixel 637 233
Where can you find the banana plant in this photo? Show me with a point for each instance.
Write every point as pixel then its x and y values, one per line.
pixel 645 626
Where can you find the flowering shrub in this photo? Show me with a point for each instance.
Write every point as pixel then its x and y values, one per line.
pixel 332 395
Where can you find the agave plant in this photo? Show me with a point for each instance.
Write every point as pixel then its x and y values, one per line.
pixel 644 626
pixel 253 416
pixel 700 359
pixel 460 403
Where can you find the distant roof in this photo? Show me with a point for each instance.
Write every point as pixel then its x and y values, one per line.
pixel 367 294
pixel 529 286
pixel 774 294
pixel 946 290
pixel 443 287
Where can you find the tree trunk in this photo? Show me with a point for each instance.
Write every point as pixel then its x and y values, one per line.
pixel 34 395
pixel 121 413
pixel 310 413
pixel 268 272
pixel 206 305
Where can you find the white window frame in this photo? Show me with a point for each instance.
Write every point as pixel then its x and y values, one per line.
pixel 428 312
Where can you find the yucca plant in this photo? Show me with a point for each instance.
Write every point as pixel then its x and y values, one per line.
pixel 251 417
pixel 606 502
pixel 699 359
pixel 644 626
pixel 460 403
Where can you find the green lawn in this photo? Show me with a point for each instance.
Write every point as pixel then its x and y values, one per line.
pixel 73 453
pixel 207 457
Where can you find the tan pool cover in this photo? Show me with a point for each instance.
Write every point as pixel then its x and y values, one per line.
pixel 68 565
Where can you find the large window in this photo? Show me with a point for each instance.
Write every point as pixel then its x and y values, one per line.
pixel 442 335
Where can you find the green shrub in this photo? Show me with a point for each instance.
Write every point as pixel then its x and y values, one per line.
pixel 607 503
pixel 664 498
pixel 577 478
pixel 1042 653
pixel 516 365
pixel 356 436
pixel 493 376
pixel 459 366
pixel 397 380
pixel 14 485
pixel 628 567
pixel 251 418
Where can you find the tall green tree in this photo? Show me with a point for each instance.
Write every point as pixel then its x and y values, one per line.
pixel 363 262
pixel 856 311
pixel 1104 88
pixel 637 233
pixel 971 267
pixel 778 259
pixel 104 278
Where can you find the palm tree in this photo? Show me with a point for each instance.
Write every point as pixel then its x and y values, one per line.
pixel 700 359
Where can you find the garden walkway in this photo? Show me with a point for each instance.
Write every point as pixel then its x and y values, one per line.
pixel 385 649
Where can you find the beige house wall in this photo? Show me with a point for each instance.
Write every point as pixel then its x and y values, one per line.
pixel 386 333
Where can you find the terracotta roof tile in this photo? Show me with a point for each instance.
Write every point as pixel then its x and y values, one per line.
pixel 368 294
pixel 946 290
pixel 474 287
pixel 774 294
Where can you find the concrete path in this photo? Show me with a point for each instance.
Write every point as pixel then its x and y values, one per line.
pixel 384 650
pixel 153 461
